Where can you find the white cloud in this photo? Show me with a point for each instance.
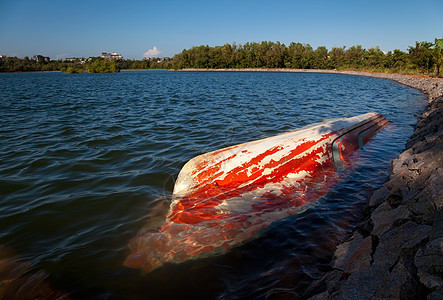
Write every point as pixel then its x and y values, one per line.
pixel 154 52
pixel 61 55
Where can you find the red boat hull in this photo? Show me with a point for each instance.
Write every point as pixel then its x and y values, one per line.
pixel 223 198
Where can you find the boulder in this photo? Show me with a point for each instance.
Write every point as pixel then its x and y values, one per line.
pixel 400 283
pixel 437 294
pixel 364 284
pixel 378 196
pixel 354 255
pixel 385 218
pixel 403 240
pixel 429 262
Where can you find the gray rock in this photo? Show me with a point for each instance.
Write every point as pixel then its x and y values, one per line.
pixel 378 196
pixel 400 283
pixel 344 249
pixel 437 226
pixel 361 258
pixel 437 294
pixel 364 284
pixel 384 218
pixel 402 239
pixel 402 162
pixel 354 255
pixel 321 296
pixel 429 263
pixel 430 198
pixel 398 189
pixel 324 286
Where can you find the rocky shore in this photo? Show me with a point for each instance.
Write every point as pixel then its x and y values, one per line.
pixel 397 250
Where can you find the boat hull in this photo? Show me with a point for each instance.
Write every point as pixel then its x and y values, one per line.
pixel 224 198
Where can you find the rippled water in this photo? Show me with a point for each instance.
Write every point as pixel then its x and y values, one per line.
pixel 87 160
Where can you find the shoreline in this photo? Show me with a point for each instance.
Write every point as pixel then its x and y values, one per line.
pixel 396 252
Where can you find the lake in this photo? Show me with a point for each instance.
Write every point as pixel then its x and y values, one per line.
pixel 87 160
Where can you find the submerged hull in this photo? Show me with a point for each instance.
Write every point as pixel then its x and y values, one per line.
pixel 223 198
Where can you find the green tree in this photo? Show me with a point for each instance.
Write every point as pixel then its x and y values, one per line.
pixel 422 56
pixel 374 58
pixel 102 66
pixel 275 55
pixel 321 60
pixel 299 56
pixel 438 50
pixel 227 56
pixel 73 70
pixel 354 56
pixel 337 57
pixel 396 60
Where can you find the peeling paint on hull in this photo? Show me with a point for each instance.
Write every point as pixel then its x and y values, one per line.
pixel 224 198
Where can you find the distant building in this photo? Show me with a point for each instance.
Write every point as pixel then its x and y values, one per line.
pixel 2 56
pixel 112 56
pixel 40 58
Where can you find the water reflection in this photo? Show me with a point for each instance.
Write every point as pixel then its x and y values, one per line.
pixel 20 280
pixel 250 211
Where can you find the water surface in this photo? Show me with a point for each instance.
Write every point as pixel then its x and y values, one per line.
pixel 87 160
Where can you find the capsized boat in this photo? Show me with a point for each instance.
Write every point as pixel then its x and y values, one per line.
pixel 224 198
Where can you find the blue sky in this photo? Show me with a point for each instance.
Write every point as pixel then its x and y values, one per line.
pixel 61 29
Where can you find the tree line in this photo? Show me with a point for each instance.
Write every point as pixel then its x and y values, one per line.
pixel 93 65
pixel 424 58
